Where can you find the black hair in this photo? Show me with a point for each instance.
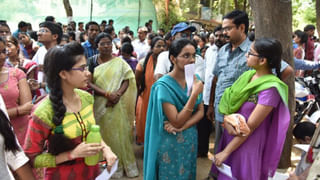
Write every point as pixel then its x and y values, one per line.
pixel 167 36
pixel 102 35
pixel 22 24
pixel 251 36
pixel 218 28
pixel 309 27
pixel 238 17
pixel 91 23
pixel 109 29
pixel 54 28
pixel 126 39
pixel 151 35
pixel 6 130
pixel 127 48
pixel 153 43
pixel 81 37
pixel 72 35
pixel 56 60
pixel 110 20
pixel 79 23
pixel 49 18
pixel 130 33
pixel 33 35
pixel 177 46
pixel 270 49
pixel 4 23
pixel 303 129
pixel 65 37
pixel 103 22
pixel 302 35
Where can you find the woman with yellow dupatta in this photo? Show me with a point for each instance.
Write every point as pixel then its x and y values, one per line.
pixel 144 77
pixel 114 105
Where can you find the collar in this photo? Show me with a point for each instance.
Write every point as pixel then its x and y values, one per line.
pixel 243 46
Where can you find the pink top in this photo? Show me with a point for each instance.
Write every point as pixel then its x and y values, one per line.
pixel 10 93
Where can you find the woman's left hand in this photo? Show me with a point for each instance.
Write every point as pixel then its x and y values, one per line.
pixel 170 129
pixel 114 97
pixel 109 156
pixel 220 158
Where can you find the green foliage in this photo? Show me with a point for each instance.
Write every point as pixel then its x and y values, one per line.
pixel 303 13
pixel 174 17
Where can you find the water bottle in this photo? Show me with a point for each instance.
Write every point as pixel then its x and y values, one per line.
pixel 94 136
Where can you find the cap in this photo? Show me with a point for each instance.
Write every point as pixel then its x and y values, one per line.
pixel 181 27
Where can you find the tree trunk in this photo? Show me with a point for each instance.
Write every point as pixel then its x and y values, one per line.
pixel 318 16
pixel 236 5
pixel 271 22
pixel 244 5
pixel 68 8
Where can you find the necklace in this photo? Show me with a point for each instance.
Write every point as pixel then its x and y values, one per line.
pixel 84 130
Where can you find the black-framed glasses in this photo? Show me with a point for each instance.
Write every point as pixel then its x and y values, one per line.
pixel 251 54
pixel 228 28
pixel 82 69
pixel 188 56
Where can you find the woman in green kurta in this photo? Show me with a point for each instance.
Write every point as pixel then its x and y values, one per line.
pixel 114 106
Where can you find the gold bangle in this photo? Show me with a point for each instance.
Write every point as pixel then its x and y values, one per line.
pixel 187 109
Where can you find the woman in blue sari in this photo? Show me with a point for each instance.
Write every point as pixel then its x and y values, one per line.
pixel 170 150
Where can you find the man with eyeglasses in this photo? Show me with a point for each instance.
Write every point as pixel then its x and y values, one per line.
pixel 231 63
pixel 49 35
pixel 164 65
pixel 204 126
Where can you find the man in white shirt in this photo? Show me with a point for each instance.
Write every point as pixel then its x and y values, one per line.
pixel 181 30
pixel 140 45
pixel 49 35
pixel 205 125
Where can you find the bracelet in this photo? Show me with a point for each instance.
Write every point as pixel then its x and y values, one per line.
pixel 69 156
pixel 17 111
pixel 106 95
pixel 187 109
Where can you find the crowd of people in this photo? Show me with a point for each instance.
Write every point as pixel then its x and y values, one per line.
pixel 60 80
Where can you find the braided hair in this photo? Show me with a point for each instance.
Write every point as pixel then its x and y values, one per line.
pixel 6 130
pixel 153 43
pixel 271 49
pixel 56 60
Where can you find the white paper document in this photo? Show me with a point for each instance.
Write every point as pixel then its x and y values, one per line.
pixel 188 73
pixel 303 147
pixel 105 175
pixel 225 169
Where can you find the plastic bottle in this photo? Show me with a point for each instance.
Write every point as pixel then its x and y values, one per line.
pixel 94 136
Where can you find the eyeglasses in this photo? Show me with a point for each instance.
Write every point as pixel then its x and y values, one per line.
pixel 43 30
pixel 105 43
pixel 251 54
pixel 82 69
pixel 185 35
pixel 188 56
pixel 228 28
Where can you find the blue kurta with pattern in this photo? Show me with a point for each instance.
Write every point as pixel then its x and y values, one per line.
pixel 168 156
